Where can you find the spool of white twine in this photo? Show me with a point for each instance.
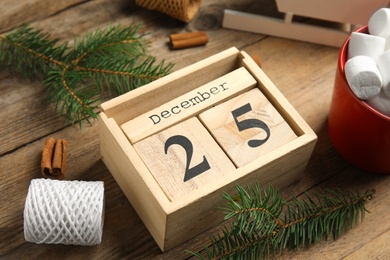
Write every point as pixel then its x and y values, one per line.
pixel 64 212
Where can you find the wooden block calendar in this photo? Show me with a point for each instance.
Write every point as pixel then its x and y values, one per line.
pixel 174 150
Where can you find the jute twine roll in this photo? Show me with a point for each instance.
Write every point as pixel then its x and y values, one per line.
pixel 183 10
pixel 64 212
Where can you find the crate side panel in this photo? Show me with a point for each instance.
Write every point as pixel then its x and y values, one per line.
pixel 144 201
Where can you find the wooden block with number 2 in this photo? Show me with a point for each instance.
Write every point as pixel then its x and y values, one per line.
pixel 183 158
pixel 247 127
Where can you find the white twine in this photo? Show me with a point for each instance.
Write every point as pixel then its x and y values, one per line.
pixel 64 212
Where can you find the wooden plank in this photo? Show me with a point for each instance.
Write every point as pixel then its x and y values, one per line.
pixel 16 14
pixel 378 248
pixel 189 104
pixel 24 108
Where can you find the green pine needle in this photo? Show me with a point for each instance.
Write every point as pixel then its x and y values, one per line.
pixel 264 223
pixel 30 52
pixel 115 58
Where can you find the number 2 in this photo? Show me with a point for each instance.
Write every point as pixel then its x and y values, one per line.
pixel 187 145
pixel 250 123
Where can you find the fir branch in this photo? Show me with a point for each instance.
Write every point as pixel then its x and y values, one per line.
pixel 30 52
pixel 111 43
pixel 265 223
pixel 116 58
pixel 125 74
pixel 255 209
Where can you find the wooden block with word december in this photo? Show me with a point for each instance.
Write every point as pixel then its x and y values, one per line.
pixel 183 158
pixel 247 127
pixel 187 105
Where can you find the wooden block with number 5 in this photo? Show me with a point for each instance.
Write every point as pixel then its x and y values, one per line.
pixel 247 127
pixel 183 158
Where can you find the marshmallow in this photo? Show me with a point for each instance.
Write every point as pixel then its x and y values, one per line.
pixel 363 77
pixel 383 64
pixel 387 45
pixel 380 103
pixel 365 45
pixel 379 23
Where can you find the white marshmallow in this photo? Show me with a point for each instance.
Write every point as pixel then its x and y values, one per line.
pixel 363 77
pixel 387 45
pixel 380 103
pixel 383 64
pixel 366 45
pixel 379 23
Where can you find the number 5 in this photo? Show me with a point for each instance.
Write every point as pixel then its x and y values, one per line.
pixel 250 123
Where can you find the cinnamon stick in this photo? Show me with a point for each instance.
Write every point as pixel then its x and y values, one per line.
pixel 54 157
pixel 59 158
pixel 185 40
pixel 47 154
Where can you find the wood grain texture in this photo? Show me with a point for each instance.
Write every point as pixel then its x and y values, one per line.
pixel 170 165
pixel 303 72
pixel 17 14
pixel 268 128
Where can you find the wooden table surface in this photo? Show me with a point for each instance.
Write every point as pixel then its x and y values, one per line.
pixel 303 72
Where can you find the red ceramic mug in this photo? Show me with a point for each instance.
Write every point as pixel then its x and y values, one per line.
pixel 359 133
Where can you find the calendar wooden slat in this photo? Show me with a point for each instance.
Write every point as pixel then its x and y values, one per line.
pixel 188 104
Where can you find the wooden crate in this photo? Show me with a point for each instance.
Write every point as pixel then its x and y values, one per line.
pixel 175 145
